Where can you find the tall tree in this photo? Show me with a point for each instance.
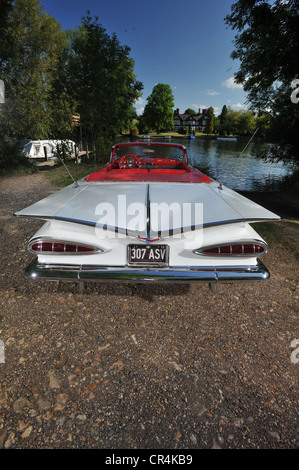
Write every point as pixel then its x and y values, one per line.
pixel 211 121
pixel 223 115
pixel 101 79
pixel 266 44
pixel 29 68
pixel 158 112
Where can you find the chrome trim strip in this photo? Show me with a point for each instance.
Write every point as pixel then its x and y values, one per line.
pixel 37 270
pixel 170 231
pixel 148 213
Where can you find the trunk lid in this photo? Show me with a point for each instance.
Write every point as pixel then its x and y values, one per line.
pixel 148 209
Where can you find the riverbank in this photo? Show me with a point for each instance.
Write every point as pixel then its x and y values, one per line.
pixel 176 136
pixel 171 136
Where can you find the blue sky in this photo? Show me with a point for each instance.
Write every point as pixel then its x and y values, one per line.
pixel 184 44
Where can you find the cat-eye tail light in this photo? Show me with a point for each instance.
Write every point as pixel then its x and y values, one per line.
pixel 60 247
pixel 253 248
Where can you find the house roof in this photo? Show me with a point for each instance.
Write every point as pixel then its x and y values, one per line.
pixel 185 117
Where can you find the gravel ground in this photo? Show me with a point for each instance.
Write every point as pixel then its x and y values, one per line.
pixel 144 366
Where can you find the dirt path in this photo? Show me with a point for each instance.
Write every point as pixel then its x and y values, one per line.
pixel 126 366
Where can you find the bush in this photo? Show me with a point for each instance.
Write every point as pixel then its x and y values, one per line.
pixel 102 149
pixel 12 159
pixel 63 151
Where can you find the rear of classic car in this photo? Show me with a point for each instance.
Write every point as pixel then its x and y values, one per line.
pixel 144 218
pixel 70 251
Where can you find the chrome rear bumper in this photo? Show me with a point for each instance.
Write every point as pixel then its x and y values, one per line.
pixel 36 270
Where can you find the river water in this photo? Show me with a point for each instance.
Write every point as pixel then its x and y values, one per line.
pixel 230 163
pixel 240 168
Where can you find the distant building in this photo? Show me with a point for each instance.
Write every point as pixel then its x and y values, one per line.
pixel 193 122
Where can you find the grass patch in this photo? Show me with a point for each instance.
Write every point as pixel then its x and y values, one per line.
pixel 272 232
pixel 60 177
pixel 171 134
pixel 19 170
pixel 290 184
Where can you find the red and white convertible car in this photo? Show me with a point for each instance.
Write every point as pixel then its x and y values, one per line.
pixel 147 216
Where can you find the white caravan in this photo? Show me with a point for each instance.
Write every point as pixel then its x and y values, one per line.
pixel 46 149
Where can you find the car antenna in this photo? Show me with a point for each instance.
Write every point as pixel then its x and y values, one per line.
pixel 249 141
pixel 70 174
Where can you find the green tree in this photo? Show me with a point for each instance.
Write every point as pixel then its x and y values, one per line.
pixel 158 112
pixel 101 80
pixel 263 122
pixel 29 68
pixel 223 115
pixel 238 122
pixel 246 122
pixel 232 121
pixel 266 44
pixel 211 121
pixel 190 111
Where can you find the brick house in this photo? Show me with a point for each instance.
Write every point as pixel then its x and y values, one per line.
pixel 194 122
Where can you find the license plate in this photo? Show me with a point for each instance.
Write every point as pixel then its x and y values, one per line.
pixel 146 255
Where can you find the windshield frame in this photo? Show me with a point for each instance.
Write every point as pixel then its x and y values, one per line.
pixel 149 144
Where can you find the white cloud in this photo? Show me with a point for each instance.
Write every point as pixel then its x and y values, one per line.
pixel 139 101
pixel 139 111
pixel 230 83
pixel 237 105
pixel 199 106
pixel 139 105
pixel 213 93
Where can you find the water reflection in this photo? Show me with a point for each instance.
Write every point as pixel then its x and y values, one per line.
pixel 228 163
